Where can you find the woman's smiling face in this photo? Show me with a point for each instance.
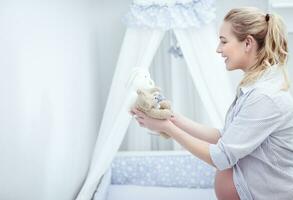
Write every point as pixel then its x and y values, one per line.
pixel 231 48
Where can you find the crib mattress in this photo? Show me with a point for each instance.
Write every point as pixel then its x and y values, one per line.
pixel 157 175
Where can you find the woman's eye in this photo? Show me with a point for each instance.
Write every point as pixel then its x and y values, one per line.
pixel 223 42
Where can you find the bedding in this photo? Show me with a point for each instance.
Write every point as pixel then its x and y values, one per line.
pixel 152 175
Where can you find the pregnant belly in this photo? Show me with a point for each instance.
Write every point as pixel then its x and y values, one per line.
pixel 224 185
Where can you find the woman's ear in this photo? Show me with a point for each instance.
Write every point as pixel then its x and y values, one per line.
pixel 249 43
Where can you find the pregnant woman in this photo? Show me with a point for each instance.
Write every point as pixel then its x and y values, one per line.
pixel 253 152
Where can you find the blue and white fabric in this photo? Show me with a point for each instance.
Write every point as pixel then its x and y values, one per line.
pixel 167 15
pixel 165 171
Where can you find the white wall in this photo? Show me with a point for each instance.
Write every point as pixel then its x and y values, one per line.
pixel 110 32
pixel 48 103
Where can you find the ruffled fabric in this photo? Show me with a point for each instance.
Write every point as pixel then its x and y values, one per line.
pixel 166 15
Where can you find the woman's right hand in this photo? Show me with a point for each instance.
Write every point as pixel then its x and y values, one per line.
pixel 175 117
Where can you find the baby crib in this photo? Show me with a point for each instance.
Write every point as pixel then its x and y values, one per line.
pixel 157 175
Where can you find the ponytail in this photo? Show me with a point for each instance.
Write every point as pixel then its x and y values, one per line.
pixel 276 46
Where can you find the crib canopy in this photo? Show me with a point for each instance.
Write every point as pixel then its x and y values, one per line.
pixel 147 21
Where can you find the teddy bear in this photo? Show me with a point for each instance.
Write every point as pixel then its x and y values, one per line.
pixel 139 78
pixel 151 102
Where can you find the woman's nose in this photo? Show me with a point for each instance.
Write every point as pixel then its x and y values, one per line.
pixel 219 50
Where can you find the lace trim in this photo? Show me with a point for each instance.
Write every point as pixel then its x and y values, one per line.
pixel 166 15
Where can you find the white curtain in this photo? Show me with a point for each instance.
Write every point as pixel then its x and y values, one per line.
pixel 209 75
pixel 138 49
pixel 48 104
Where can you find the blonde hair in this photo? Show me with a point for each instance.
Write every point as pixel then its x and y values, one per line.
pixel 268 30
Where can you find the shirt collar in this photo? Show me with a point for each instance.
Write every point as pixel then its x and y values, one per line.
pixel 272 77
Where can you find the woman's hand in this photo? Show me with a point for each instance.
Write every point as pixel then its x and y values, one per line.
pixel 175 118
pixel 157 125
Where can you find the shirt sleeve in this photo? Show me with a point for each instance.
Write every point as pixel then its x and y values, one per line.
pixel 258 117
pixel 221 130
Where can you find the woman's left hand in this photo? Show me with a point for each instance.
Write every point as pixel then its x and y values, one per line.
pixel 157 125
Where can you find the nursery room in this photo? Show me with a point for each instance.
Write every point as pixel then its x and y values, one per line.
pixel 146 100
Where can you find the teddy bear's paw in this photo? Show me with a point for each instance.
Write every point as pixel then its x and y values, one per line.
pixel 160 113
